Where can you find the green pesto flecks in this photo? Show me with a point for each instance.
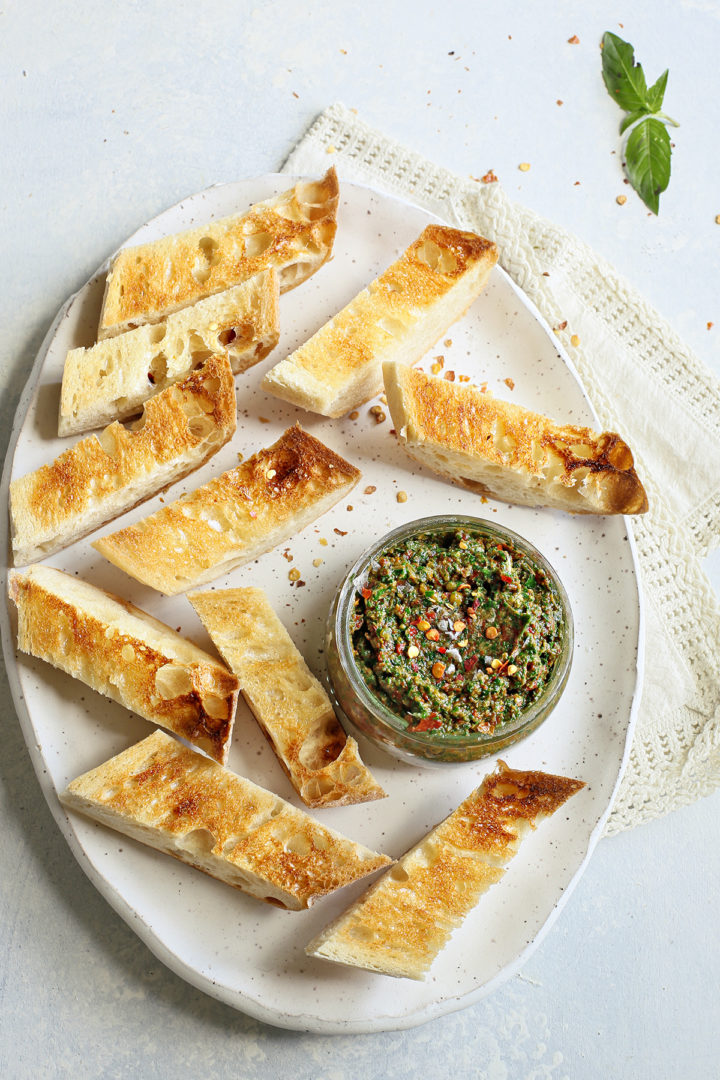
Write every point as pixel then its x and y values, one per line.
pixel 456 633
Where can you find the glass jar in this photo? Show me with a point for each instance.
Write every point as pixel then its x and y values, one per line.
pixel 362 711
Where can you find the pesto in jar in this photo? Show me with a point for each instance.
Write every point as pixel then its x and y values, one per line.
pixel 456 632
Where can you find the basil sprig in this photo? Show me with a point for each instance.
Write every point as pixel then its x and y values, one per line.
pixel 647 152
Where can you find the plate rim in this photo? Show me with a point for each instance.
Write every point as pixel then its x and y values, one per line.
pixel 236 999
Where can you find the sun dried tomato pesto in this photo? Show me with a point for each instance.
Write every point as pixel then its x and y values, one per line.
pixel 456 633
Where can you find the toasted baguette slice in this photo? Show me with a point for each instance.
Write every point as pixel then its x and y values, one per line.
pixel 125 654
pixel 400 925
pixel 112 380
pixel 292 232
pixel 173 799
pixel 234 518
pixel 103 476
pixel 286 699
pixel 399 316
pixel 501 450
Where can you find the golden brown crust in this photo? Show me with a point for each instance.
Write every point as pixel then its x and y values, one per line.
pixel 499 449
pixel 288 702
pixel 235 517
pixel 400 316
pixel 127 655
pixel 402 922
pixel 175 800
pixel 112 380
pixel 103 476
pixel 294 233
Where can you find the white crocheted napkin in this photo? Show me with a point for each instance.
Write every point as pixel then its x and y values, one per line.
pixel 642 381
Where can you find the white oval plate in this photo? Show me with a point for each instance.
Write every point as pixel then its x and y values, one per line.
pixel 248 954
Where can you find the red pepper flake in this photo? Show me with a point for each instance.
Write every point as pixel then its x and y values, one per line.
pixel 340 532
pixel 366 593
pixel 442 649
pixel 489 177
pixel 506 579
pixel 428 723
pixel 574 40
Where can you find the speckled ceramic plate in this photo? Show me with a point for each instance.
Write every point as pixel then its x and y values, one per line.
pixel 248 954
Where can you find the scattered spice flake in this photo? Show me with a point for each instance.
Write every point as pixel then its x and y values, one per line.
pixel 621 200
pixel 263 420
pixel 575 340
pixel 348 507
pixel 436 369
pixel 464 378
pixel 559 102
pixel 317 562
pixel 562 325
pixel 322 541
pixel 509 383
pixel 489 177
pixel 330 149
pixel 574 40
pixel 240 457
pixel 545 273
pixel 717 219
pixel 294 574
pixel 344 52
pixel 483 388
pixel 300 584
pixel 370 489
pixel 392 431
pixel 401 496
pixel 710 325
pixel 354 414
pixel 287 556
pixel 450 376
pixel 295 95
pixel 447 342
pixel 340 532
pixel 524 166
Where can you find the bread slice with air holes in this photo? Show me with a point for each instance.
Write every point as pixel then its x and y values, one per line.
pixel 403 921
pixel 104 475
pixel 292 232
pixel 235 517
pixel 122 652
pixel 113 379
pixel 181 803
pixel 506 452
pixel 288 702
pixel 399 316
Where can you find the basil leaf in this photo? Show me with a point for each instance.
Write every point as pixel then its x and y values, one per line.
pixel 624 79
pixel 656 93
pixel 630 119
pixel 647 160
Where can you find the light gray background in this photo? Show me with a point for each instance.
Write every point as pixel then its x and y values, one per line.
pixel 111 112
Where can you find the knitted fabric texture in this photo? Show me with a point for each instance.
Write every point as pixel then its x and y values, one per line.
pixel 627 353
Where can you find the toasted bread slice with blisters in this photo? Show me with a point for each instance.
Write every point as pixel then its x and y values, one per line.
pixel 292 232
pixel 399 316
pixel 402 922
pixel 113 379
pixel 506 452
pixel 234 518
pixel 104 475
pixel 173 799
pixel 125 654
pixel 288 702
